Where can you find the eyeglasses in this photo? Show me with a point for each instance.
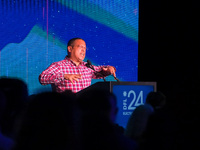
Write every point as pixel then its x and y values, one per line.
pixel 81 46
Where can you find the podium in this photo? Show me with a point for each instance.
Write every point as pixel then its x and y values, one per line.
pixel 129 96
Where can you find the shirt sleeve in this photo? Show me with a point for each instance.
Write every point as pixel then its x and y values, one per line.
pixel 53 74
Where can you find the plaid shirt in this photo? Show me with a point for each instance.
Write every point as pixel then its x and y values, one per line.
pixel 54 75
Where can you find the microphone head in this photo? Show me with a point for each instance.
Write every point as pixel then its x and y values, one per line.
pixel 89 62
pixel 89 65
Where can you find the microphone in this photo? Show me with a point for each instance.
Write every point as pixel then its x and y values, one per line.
pixel 89 65
pixel 89 62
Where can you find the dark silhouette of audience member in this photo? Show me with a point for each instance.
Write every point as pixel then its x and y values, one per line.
pixel 14 94
pixel 6 143
pixel 160 132
pixel 98 111
pixel 138 120
pixel 177 126
pixel 47 123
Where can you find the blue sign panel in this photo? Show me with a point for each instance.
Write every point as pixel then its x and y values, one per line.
pixel 128 98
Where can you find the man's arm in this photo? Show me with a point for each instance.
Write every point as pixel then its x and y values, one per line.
pixel 103 71
pixel 53 74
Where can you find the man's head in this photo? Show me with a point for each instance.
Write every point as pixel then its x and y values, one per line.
pixel 76 48
pixel 99 101
pixel 156 99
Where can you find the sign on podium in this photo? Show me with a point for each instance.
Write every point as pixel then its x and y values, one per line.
pixel 129 96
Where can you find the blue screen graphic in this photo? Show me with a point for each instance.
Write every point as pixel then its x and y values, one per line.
pixel 128 98
pixel 34 34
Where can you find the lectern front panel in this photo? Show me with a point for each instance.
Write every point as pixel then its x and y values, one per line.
pixel 129 97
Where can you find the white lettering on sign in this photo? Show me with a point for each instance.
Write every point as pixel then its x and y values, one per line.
pixel 132 100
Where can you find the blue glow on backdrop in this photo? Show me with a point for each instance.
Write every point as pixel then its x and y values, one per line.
pixel 35 33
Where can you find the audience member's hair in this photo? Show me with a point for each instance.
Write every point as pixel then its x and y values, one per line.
pixel 99 101
pixel 16 95
pixel 47 123
pixel 156 99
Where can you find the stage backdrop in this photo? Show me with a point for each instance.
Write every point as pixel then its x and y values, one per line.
pixel 34 34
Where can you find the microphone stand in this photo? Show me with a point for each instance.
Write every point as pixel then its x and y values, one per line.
pixel 91 67
pixel 116 79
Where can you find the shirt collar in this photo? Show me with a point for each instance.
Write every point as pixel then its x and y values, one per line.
pixel 69 60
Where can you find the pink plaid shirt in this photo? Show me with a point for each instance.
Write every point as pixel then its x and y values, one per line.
pixel 54 75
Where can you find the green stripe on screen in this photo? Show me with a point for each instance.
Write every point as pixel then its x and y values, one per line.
pixel 102 16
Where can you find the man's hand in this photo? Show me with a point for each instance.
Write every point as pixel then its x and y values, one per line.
pixel 72 77
pixel 110 70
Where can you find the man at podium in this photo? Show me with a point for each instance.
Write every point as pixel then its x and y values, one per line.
pixel 73 73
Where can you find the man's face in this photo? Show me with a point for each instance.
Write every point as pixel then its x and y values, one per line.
pixel 77 51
